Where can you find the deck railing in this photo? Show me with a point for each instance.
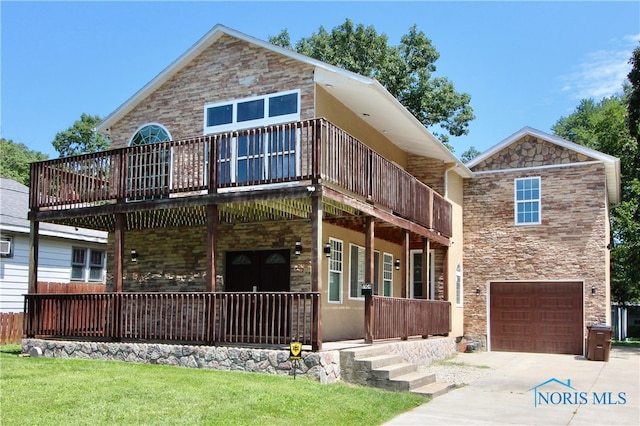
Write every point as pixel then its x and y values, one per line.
pixel 198 318
pixel 306 150
pixel 391 317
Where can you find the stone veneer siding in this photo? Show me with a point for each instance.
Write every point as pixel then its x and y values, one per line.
pixel 322 366
pixel 229 69
pixel 174 259
pixel 570 244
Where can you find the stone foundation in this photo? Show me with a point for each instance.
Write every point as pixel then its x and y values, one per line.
pixel 424 351
pixel 321 366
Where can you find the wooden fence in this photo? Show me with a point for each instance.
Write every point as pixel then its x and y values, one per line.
pixel 11 326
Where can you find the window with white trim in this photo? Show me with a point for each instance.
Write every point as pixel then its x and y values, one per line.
pixel 87 265
pixel 356 271
pixel 6 246
pixel 261 155
pixel 335 271
pixel 527 194
pixel 459 287
pixel 387 275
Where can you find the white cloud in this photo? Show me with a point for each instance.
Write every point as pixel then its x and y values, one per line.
pixel 602 72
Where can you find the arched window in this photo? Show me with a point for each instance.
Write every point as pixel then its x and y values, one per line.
pixel 150 133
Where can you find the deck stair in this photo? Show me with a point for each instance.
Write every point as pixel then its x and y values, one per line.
pixel 376 366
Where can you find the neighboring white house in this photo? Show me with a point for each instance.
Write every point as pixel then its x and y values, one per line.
pixel 66 254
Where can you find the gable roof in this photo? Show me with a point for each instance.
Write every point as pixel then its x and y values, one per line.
pixel 13 216
pixel 611 164
pixel 360 94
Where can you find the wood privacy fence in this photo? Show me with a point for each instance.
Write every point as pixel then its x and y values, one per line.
pixel 11 326
pixel 195 318
pixel 391 317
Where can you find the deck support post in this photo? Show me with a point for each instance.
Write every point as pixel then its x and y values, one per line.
pixel 212 243
pixel 118 252
pixel 316 269
pixel 425 268
pixel 369 235
pixel 406 255
pixel 34 243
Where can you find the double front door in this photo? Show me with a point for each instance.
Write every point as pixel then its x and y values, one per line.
pixel 259 270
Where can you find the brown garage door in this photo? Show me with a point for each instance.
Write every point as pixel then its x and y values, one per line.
pixel 536 317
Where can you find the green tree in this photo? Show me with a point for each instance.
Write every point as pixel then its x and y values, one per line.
pixel 406 71
pixel 15 159
pixel 469 154
pixel 604 126
pixel 81 138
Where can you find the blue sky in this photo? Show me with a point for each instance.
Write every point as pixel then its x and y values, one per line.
pixel 523 63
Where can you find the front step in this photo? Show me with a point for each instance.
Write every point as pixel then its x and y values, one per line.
pixel 376 366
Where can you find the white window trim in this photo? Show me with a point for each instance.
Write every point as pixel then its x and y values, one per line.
pixel 431 287
pixel 363 273
pixel 86 271
pixel 516 201
pixel 459 292
pixel 341 272
pixel 266 121
pixel 385 257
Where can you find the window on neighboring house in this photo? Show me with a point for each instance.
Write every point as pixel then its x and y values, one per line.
pixel 87 265
pixel 528 201
pixel 459 285
pixel 387 275
pixel 335 271
pixel 6 246
pixel 261 155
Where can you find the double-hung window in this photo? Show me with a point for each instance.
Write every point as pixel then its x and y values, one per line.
pixel 87 265
pixel 257 154
pixel 387 275
pixel 527 201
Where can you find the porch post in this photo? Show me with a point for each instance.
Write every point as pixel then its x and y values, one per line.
pixel 316 270
pixel 406 256
pixel 118 252
pixel 368 250
pixel 212 243
pixel 34 242
pixel 445 274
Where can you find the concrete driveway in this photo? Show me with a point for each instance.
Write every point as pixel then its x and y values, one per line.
pixel 544 389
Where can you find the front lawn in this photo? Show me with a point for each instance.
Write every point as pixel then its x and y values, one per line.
pixel 70 391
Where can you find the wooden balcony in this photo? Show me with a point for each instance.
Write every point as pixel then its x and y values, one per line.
pixel 312 151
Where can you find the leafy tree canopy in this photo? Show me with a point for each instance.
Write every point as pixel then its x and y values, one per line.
pixel 605 126
pixel 406 71
pixel 469 154
pixel 15 158
pixel 81 138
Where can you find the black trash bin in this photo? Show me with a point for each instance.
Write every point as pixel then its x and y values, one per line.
pixel 599 343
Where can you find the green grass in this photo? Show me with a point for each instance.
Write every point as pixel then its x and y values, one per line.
pixel 75 392
pixel 634 343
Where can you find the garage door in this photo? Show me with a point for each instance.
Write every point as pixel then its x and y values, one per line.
pixel 536 317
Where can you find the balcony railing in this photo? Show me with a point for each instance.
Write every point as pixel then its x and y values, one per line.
pixel 307 150
pixel 196 318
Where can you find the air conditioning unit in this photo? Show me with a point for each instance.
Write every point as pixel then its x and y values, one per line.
pixel 5 247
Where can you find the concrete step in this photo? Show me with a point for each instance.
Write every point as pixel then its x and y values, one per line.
pixel 379 361
pixel 394 370
pixel 365 351
pixel 434 389
pixel 408 382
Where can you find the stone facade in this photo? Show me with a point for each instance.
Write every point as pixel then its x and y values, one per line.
pixel 569 244
pixel 229 69
pixel 322 366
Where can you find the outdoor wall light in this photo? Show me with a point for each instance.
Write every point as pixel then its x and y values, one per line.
pixel 478 291
pixel 298 248
pixel 134 255
pixel 593 290
pixel 327 250
pixel 397 264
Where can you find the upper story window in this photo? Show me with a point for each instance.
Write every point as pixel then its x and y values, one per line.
pixel 257 111
pixel 528 201
pixel 150 133
pixel 87 265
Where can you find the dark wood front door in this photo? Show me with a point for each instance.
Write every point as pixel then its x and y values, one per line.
pixel 263 270
pixel 537 317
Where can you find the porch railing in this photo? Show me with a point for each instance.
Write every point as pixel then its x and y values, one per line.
pixel 198 318
pixel 308 150
pixel 391 317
